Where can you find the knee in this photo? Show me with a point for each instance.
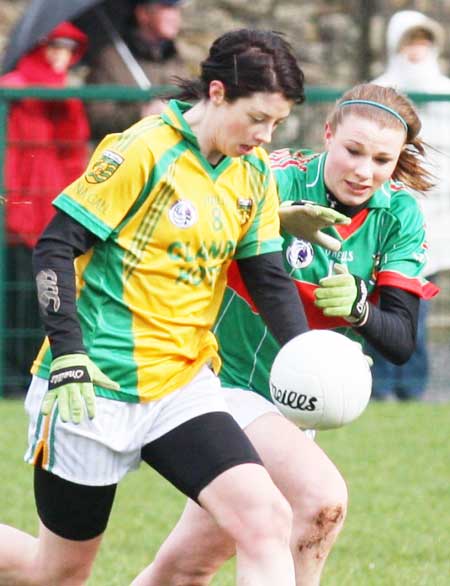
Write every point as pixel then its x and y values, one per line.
pixel 325 518
pixel 72 576
pixel 327 498
pixel 75 572
pixel 82 576
pixel 318 538
pixel 181 575
pixel 26 562
pixel 65 577
pixel 268 521
pixel 338 498
pixel 192 566
pixel 278 518
pixel 329 505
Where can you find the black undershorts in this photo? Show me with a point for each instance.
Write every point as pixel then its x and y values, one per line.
pixel 189 457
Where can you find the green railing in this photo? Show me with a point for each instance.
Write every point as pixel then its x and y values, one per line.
pixel 3 119
pixel 310 116
pixel 8 95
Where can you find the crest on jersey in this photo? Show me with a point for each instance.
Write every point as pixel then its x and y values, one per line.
pixel 183 214
pixel 299 254
pixel 104 167
pixel 244 207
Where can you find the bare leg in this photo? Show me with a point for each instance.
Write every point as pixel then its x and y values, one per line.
pixel 252 511
pixel 194 530
pixel 196 548
pixel 313 486
pixel 258 522
pixel 48 560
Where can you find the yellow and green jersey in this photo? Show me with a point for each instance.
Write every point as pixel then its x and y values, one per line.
pixel 169 224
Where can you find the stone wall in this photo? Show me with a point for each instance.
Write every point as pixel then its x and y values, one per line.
pixel 10 10
pixel 338 42
pixel 326 34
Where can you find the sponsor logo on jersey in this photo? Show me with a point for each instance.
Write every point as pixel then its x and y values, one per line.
pixel 105 167
pixel 341 256
pixel 183 214
pixel 199 265
pixel 299 254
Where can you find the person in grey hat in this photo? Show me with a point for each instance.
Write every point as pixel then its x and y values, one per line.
pixel 151 38
pixel 414 42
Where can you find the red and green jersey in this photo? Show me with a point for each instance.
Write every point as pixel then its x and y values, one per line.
pixel 384 245
pixel 169 224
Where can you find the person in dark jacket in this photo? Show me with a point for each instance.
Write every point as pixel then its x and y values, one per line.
pixel 151 39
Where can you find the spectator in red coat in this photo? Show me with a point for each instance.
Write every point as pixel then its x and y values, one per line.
pixel 47 148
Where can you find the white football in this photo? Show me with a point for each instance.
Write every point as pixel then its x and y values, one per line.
pixel 321 380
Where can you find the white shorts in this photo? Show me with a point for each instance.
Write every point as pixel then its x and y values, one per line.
pixel 102 450
pixel 246 406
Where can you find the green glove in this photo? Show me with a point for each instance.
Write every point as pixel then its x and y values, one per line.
pixel 306 220
pixel 71 383
pixel 343 295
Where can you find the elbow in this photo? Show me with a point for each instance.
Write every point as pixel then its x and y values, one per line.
pixel 401 355
pixel 399 360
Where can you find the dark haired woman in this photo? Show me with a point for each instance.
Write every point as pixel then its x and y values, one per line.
pixel 153 225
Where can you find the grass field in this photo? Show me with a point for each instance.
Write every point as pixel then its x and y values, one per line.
pixel 396 462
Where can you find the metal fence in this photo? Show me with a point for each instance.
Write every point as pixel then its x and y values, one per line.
pixel 305 127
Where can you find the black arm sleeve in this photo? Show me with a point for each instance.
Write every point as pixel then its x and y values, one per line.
pixel 391 327
pixel 274 294
pixel 53 266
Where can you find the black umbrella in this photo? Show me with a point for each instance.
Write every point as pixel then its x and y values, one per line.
pixel 39 18
pixel 100 19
